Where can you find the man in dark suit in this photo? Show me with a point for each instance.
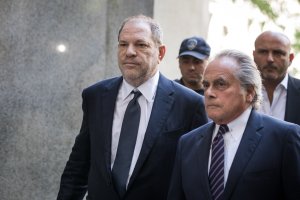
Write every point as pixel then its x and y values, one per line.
pixel 167 111
pixel 281 92
pixel 252 156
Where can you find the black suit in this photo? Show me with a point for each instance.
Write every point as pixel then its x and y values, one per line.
pixel 292 101
pixel 176 110
pixel 266 165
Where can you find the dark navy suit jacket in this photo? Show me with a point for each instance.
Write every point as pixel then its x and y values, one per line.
pixel 292 112
pixel 266 165
pixel 176 110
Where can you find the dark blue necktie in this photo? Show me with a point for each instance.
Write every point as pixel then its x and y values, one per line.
pixel 216 171
pixel 126 144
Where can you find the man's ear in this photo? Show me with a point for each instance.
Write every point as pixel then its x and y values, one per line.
pixel 291 57
pixel 162 52
pixel 250 94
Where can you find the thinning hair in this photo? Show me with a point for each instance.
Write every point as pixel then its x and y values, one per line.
pixel 157 33
pixel 247 73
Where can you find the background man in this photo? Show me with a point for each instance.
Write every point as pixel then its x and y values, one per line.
pixel 281 92
pixel 193 57
pixel 242 154
pixel 166 109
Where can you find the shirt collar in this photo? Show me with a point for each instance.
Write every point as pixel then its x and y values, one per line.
pixel 238 124
pixel 148 89
pixel 284 82
pixel 240 121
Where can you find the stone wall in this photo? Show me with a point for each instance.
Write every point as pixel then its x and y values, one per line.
pixel 49 51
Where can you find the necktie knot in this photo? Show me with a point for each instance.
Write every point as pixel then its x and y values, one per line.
pixel 137 94
pixel 223 129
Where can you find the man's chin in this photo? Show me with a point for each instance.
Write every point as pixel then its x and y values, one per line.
pixel 269 77
pixel 193 82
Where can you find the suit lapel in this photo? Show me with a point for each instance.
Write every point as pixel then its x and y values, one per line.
pixel 203 149
pixel 292 101
pixel 161 107
pixel 105 119
pixel 249 142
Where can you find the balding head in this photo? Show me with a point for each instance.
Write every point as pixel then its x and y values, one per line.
pixel 273 36
pixel 272 55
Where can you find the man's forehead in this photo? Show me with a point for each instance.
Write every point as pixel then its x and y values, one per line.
pixel 187 57
pixel 134 31
pixel 272 47
pixel 136 26
pixel 272 41
pixel 217 71
pixel 213 73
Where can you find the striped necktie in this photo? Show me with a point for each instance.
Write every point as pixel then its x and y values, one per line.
pixel 216 171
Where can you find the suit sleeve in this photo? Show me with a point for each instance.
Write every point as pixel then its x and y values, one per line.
pixel 200 117
pixel 175 189
pixel 74 179
pixel 291 165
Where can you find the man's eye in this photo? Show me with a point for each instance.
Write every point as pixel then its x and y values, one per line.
pixel 221 85
pixel 205 85
pixel 197 62
pixel 263 52
pixel 122 44
pixel 185 61
pixel 279 53
pixel 142 45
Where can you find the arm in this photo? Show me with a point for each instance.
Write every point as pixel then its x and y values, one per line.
pixel 200 116
pixel 291 164
pixel 176 190
pixel 74 179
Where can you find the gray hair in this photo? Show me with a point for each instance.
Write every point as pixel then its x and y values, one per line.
pixel 247 73
pixel 157 33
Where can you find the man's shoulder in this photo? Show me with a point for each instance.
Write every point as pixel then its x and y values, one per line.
pixel 110 84
pixel 187 93
pixel 276 124
pixel 177 86
pixel 201 131
pixel 177 81
pixel 103 84
pixel 294 81
pixel 184 89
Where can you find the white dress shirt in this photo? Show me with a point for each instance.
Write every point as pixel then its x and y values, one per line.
pixel 232 139
pixel 148 90
pixel 277 108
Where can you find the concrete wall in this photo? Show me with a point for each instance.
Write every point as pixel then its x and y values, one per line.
pixel 49 51
pixel 180 19
pixel 41 87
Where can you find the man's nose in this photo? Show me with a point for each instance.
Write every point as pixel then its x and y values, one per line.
pixel 130 51
pixel 192 66
pixel 270 57
pixel 208 92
